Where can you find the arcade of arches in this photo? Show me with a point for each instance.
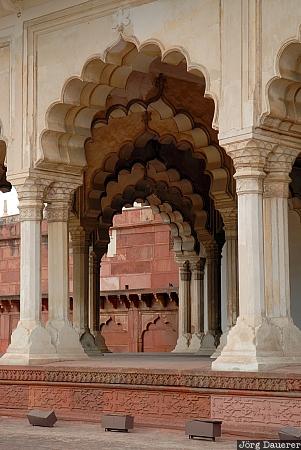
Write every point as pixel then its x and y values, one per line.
pixel 136 126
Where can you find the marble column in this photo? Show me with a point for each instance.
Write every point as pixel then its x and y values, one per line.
pixel 94 300
pixel 250 343
pixel 64 337
pixel 80 247
pixel 197 266
pixel 286 336
pixel 230 227
pixel 213 273
pixel 30 341
pixel 184 311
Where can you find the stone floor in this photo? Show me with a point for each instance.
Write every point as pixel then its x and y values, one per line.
pixel 17 434
pixel 160 361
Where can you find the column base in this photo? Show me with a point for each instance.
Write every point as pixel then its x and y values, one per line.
pixel 100 342
pixel 274 343
pixel 87 341
pixel 182 345
pixel 195 342
pixel 30 345
pixel 202 344
pixel 66 340
pixel 222 343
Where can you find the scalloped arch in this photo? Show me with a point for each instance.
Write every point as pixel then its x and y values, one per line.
pixel 152 174
pixel 103 81
pixel 168 126
pixel 284 92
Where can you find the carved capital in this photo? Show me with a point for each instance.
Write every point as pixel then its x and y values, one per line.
pixel 31 210
pixel 276 186
pixel 57 212
pixel 212 251
pixel 32 189
pixel 281 160
pixel 229 216
pixel 79 236
pixel 278 167
pixel 184 270
pixel 60 192
pixel 197 267
pixel 249 159
pixel 249 154
pixel 31 194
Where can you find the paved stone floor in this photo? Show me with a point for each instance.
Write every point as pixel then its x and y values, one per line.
pixel 166 361
pixel 17 434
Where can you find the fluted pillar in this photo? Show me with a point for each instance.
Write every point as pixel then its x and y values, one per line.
pixel 287 340
pixel 242 349
pixel 94 300
pixel 184 311
pixel 197 266
pixel 64 337
pixel 30 341
pixel 213 273
pixel 264 335
pixel 80 247
pixel 230 227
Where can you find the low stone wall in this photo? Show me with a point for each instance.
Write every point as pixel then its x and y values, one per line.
pixel 257 404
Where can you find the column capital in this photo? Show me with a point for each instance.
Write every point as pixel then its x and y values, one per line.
pixel 230 219
pixel 59 198
pixel 278 168
pixel 212 251
pixel 57 212
pixel 60 192
pixel 79 236
pixel 31 195
pixel 249 155
pixel 197 267
pixel 184 270
pixel 249 158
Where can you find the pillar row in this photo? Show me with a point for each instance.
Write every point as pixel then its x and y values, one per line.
pixel 264 335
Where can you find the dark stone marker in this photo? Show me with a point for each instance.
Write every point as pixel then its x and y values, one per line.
pixel 40 418
pixel 203 428
pixel 289 434
pixel 117 422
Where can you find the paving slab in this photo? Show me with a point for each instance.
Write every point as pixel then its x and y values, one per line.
pixel 17 434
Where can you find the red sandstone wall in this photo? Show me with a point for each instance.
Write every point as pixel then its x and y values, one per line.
pixel 144 258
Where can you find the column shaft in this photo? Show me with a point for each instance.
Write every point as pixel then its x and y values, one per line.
pixel 197 295
pixel 276 252
pixel 230 226
pixel 213 286
pixel 94 301
pixel 64 337
pixel 197 266
pixel 58 272
pixel 184 311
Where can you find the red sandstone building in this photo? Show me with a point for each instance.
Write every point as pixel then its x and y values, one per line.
pixel 139 283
